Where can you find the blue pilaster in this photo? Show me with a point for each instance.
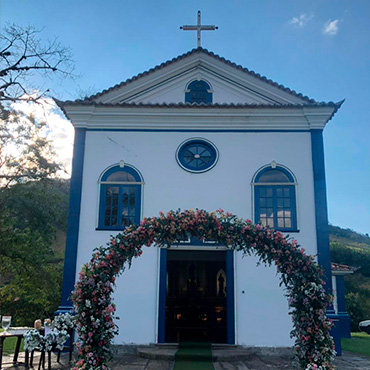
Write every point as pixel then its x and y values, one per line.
pixel 321 210
pixel 345 326
pixel 162 296
pixel 73 220
pixel 322 227
pixel 230 297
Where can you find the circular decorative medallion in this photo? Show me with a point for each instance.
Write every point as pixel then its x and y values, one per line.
pixel 197 155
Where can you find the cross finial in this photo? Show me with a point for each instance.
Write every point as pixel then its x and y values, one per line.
pixel 198 28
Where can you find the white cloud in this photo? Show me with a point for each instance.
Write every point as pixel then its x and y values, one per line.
pixel 58 130
pixel 331 28
pixel 301 20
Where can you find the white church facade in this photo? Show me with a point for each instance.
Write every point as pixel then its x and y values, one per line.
pixel 199 132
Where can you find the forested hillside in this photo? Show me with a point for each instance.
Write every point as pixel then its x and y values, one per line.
pixel 351 248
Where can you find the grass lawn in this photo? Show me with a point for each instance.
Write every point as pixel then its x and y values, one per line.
pixel 359 343
pixel 9 345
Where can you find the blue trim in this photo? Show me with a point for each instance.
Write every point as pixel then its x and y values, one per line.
pixel 162 296
pixel 230 298
pixel 121 188
pixel 126 168
pixel 321 212
pixel 285 171
pixel 189 130
pixel 292 193
pixel 345 326
pixel 70 260
pixel 335 333
pixel 199 166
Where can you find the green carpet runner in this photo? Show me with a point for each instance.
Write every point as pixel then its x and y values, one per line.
pixel 194 356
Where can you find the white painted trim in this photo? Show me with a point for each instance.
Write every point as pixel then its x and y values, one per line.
pixel 339 273
pixel 171 118
pixel 335 293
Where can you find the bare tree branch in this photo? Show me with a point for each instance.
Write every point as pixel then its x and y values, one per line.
pixel 22 55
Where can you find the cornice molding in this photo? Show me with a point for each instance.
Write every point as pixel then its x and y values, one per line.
pixel 196 118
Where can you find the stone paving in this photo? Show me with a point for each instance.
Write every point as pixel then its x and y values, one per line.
pixel 131 361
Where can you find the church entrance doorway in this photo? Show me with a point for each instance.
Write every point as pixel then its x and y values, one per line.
pixel 197 296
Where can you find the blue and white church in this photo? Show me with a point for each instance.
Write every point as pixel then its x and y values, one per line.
pixel 199 131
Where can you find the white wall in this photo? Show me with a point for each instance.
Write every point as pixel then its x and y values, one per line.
pixel 227 186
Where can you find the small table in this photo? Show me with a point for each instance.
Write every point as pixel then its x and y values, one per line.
pixel 11 333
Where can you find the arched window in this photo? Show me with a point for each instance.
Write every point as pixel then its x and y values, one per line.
pixel 198 92
pixel 120 198
pixel 275 198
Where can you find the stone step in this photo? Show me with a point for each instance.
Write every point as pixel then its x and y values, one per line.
pixel 219 353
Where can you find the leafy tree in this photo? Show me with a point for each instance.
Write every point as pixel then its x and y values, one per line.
pixel 25 153
pixel 30 265
pixel 353 249
pixel 30 211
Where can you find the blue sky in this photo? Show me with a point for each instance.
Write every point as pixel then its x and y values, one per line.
pixel 320 48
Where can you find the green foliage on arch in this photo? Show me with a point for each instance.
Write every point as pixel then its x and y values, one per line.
pixel 299 273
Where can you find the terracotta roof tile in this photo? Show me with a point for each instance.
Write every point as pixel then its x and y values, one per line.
pixel 196 105
pixel 339 267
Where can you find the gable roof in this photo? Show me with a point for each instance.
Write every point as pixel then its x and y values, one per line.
pixel 202 51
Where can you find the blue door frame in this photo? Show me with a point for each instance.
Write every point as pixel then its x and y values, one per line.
pixel 230 297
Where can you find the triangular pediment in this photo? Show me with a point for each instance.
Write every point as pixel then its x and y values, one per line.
pixel 230 84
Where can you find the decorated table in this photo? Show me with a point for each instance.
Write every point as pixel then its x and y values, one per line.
pixel 12 333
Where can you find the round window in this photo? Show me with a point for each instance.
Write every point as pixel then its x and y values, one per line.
pixel 197 155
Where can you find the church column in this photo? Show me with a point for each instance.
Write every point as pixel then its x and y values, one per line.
pixel 73 220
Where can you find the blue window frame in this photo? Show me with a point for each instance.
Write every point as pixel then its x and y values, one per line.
pixel 198 92
pixel 275 199
pixel 197 155
pixel 120 198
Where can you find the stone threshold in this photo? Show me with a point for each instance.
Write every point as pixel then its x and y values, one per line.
pixel 220 352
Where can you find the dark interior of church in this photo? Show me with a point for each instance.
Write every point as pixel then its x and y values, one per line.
pixel 196 296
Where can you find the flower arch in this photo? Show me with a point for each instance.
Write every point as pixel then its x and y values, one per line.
pixel 299 273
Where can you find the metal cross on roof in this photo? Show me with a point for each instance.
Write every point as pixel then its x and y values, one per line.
pixel 198 28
